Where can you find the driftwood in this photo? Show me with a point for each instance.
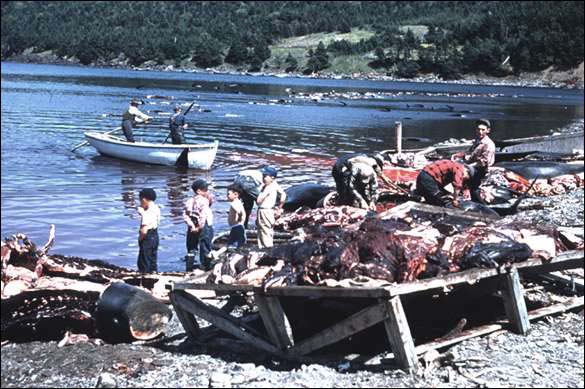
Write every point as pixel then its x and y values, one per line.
pixel 46 296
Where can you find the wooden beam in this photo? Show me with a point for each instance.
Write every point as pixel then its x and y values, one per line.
pixel 514 302
pixel 223 321
pixel 568 281
pixel 216 287
pixel 566 260
pixel 399 336
pixel 571 303
pixel 187 320
pixel 275 321
pixel 327 292
pixel 355 323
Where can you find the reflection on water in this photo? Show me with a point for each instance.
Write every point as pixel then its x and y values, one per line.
pixel 93 199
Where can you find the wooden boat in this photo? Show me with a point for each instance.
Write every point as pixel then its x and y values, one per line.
pixel 195 156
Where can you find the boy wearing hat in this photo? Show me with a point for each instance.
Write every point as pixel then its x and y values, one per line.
pixel 177 126
pixel 481 155
pixel 148 233
pixel 266 203
pixel 129 117
pixel 434 177
pixel 199 219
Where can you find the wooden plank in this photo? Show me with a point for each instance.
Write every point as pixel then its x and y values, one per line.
pixel 275 320
pixel 225 322
pixel 514 303
pixel 187 320
pixel 399 336
pixel 572 303
pixel 567 260
pixel 216 287
pixel 327 292
pixel 467 334
pixel 355 323
pixel 568 281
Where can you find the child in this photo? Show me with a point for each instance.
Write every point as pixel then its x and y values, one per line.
pixel 237 217
pixel 148 234
pixel 266 203
pixel 199 219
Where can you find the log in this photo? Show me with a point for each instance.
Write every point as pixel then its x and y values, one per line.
pixel 125 312
pixel 514 303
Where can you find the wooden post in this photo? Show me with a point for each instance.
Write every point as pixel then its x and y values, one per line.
pixel 187 319
pixel 398 129
pixel 514 303
pixel 399 335
pixel 275 320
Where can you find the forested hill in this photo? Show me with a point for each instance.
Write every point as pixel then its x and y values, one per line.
pixel 447 38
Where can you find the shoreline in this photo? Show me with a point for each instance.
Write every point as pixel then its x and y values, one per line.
pixel 572 79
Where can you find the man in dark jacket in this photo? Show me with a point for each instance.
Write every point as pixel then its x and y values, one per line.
pixel 177 126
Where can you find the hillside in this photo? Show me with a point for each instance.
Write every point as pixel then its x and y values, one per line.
pixel 404 39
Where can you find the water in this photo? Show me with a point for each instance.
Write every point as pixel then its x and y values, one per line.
pixel 93 199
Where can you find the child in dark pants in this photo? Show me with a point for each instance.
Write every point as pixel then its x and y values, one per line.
pixel 199 219
pixel 148 234
pixel 237 217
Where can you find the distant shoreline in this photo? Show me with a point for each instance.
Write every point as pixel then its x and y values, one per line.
pixel 572 79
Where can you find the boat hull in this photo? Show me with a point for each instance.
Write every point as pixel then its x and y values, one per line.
pixel 199 156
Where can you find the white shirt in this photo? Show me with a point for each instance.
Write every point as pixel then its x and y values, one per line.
pixel 270 191
pixel 135 111
pixel 150 216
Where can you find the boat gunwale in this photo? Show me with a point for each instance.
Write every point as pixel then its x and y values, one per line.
pixel 100 136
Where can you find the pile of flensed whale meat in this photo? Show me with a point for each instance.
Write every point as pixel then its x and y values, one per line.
pixel 387 247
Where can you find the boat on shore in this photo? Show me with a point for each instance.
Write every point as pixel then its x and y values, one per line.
pixel 195 156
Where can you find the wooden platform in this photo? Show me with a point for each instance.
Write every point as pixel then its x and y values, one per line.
pixel 387 308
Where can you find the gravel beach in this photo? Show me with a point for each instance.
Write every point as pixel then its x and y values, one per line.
pixel 551 355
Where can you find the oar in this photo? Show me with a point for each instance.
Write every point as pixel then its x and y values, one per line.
pixel 185 114
pixel 86 142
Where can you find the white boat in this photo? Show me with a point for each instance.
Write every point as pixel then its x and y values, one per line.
pixel 196 156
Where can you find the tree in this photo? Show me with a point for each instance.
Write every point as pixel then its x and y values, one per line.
pixel 237 53
pixel 407 69
pixel 262 51
pixel 318 60
pixel 291 63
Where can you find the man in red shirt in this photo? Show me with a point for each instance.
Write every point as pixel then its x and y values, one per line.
pixel 433 179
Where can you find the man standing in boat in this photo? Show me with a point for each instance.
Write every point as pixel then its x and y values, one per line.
pixel 481 155
pixel 129 117
pixel 177 126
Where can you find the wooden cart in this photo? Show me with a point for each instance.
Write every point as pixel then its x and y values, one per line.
pixel 386 303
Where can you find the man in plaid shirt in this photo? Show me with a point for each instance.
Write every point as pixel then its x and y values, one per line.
pixel 433 179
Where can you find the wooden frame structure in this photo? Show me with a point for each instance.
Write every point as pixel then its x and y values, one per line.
pixel 387 308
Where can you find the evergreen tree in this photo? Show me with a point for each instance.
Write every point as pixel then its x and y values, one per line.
pixel 291 63
pixel 237 53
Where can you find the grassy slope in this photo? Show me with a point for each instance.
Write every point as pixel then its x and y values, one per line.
pixel 343 64
pixel 299 45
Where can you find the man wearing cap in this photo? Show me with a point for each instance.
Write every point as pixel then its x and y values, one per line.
pixel 148 233
pixel 481 155
pixel 251 182
pixel 361 189
pixel 177 126
pixel 343 167
pixel 434 177
pixel 129 117
pixel 199 219
pixel 266 206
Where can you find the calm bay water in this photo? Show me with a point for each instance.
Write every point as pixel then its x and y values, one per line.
pixel 92 199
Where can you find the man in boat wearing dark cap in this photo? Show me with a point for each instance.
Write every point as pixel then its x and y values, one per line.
pixel 481 155
pixel 177 126
pixel 129 117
